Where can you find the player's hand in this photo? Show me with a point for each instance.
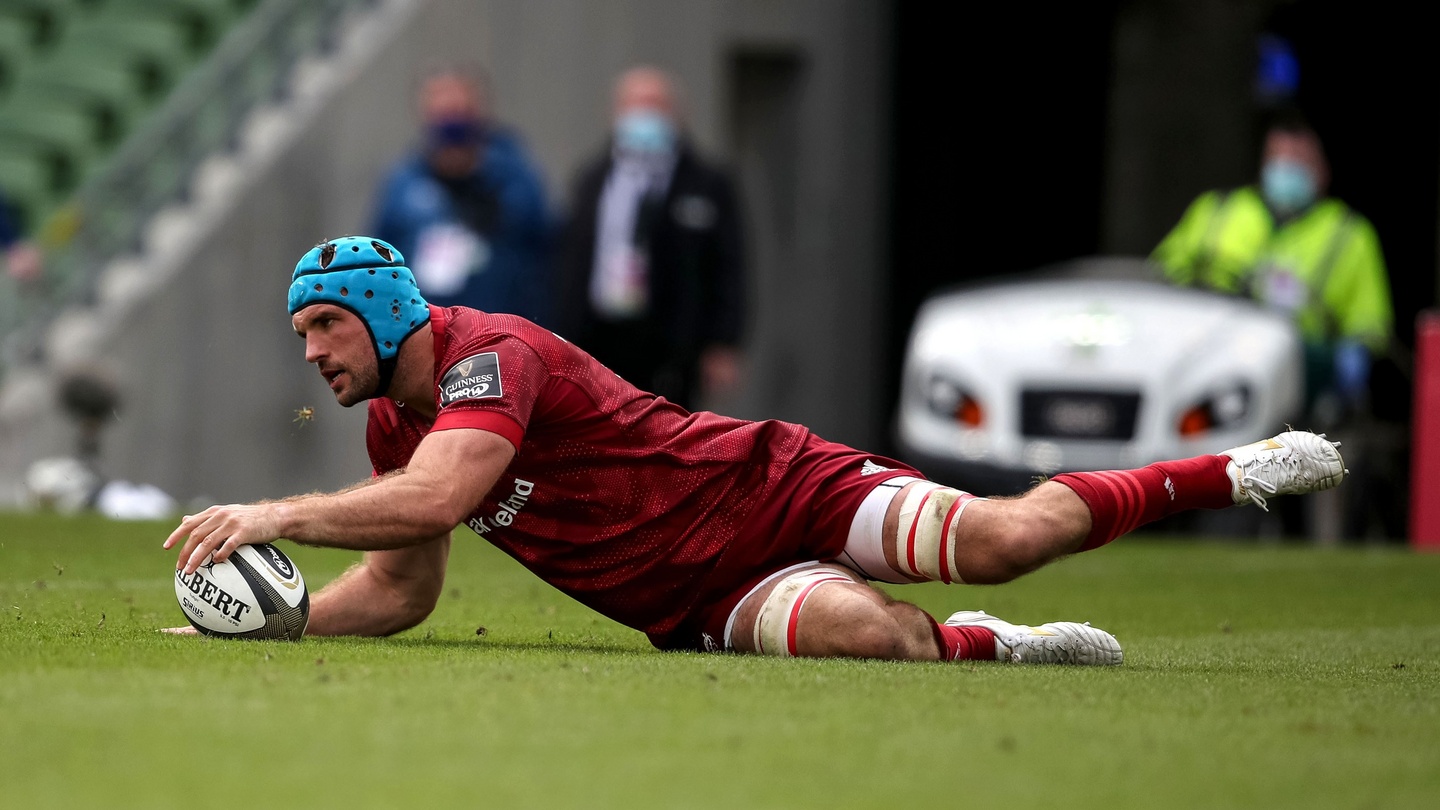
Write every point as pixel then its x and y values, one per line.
pixel 220 530
pixel 187 630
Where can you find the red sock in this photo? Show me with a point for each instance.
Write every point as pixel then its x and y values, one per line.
pixel 1122 500
pixel 964 643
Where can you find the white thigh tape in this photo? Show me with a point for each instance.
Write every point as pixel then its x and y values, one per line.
pixel 780 614
pixel 865 547
pixel 926 534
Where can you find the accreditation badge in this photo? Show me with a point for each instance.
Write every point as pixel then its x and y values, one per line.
pixel 1281 288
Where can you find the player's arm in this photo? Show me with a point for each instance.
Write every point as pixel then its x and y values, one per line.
pixel 449 474
pixel 388 592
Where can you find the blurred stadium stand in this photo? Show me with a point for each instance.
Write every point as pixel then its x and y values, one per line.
pixel 115 116
pixel 106 109
pixel 78 76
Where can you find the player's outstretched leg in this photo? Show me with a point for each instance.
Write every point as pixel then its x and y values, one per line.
pixel 908 530
pixel 824 610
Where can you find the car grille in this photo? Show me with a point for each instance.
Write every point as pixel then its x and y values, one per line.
pixel 1062 414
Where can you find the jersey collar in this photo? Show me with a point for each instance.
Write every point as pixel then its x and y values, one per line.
pixel 439 325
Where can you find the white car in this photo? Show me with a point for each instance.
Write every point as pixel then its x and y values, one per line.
pixel 1096 364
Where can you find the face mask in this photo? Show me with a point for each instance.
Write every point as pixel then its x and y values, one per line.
pixel 1288 186
pixel 645 132
pixel 454 132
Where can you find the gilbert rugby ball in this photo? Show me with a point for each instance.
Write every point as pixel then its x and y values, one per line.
pixel 257 593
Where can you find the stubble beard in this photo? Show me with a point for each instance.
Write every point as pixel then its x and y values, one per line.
pixel 364 384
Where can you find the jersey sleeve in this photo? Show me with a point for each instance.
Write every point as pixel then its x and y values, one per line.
pixel 493 384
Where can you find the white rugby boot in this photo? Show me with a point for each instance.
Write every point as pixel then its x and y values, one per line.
pixel 1293 463
pixel 1053 643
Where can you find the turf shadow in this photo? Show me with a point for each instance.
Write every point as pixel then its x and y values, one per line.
pixel 507 646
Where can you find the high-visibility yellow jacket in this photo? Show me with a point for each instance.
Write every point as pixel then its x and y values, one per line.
pixel 1324 266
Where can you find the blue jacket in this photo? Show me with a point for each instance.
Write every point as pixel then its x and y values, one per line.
pixel 501 207
pixel 9 229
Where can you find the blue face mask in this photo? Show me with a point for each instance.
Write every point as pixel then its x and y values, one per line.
pixel 1289 186
pixel 453 132
pixel 645 132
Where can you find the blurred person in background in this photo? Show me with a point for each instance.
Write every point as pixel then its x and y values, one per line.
pixel 469 206
pixel 1288 245
pixel 651 269
pixel 21 257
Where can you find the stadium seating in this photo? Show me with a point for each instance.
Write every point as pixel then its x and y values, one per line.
pixel 77 76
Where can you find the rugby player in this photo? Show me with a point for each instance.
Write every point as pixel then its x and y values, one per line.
pixel 702 531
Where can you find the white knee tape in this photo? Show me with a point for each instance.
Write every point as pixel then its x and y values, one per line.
pixel 780 613
pixel 926 539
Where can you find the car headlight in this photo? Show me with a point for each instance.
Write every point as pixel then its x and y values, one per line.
pixel 1224 408
pixel 947 399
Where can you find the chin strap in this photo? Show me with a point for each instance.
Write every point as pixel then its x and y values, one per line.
pixel 387 375
pixel 386 367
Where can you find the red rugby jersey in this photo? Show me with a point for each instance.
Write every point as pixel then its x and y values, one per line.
pixel 621 499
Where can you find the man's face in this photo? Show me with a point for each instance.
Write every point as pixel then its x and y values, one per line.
pixel 644 89
pixel 338 343
pixel 1302 148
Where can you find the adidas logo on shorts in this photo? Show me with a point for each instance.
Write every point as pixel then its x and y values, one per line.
pixel 870 468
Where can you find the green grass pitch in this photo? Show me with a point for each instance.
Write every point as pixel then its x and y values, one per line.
pixel 1255 677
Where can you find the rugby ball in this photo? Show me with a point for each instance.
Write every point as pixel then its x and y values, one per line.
pixel 257 593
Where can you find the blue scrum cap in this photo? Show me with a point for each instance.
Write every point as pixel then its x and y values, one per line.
pixel 369 278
